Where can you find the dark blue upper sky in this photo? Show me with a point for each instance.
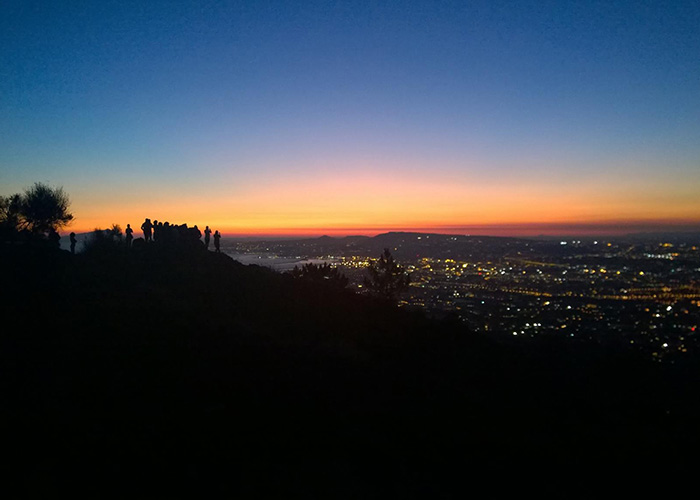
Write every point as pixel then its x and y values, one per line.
pixel 246 93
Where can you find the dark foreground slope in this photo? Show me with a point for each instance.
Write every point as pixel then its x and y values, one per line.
pixel 154 372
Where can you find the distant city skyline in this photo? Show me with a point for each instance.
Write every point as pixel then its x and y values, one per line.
pixel 312 118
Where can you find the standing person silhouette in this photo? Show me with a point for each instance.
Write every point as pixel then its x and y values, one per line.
pixel 217 237
pixel 73 241
pixel 129 236
pixel 147 227
pixel 207 233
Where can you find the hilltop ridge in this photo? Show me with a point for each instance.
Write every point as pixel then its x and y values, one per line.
pixel 187 366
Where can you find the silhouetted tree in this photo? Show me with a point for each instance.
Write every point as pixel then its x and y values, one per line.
pixel 11 210
pixel 10 216
pixel 387 278
pixel 322 274
pixel 43 208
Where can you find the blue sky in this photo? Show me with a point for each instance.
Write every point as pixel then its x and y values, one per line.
pixel 149 102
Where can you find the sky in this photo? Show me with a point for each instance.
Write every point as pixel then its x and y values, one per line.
pixel 334 117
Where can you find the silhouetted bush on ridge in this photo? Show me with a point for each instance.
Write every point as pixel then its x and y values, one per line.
pixel 323 276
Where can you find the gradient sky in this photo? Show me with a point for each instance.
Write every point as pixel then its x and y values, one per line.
pixel 356 117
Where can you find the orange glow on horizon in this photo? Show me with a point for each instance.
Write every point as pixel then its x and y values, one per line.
pixel 368 203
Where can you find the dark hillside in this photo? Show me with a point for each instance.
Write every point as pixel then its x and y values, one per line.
pixel 153 371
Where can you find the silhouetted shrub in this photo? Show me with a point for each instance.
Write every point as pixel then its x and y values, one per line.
pixel 324 275
pixel 387 278
pixel 103 241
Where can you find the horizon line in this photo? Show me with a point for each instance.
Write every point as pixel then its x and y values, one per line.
pixel 547 229
pixel 551 229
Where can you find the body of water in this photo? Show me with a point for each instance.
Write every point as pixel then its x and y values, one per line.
pixel 272 261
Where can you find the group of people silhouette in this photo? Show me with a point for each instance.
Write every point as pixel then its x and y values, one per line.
pixel 165 232
pixel 156 232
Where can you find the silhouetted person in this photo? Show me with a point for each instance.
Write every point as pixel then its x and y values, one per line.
pixel 158 231
pixel 129 232
pixel 147 227
pixel 73 241
pixel 207 234
pixel 54 237
pixel 217 237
